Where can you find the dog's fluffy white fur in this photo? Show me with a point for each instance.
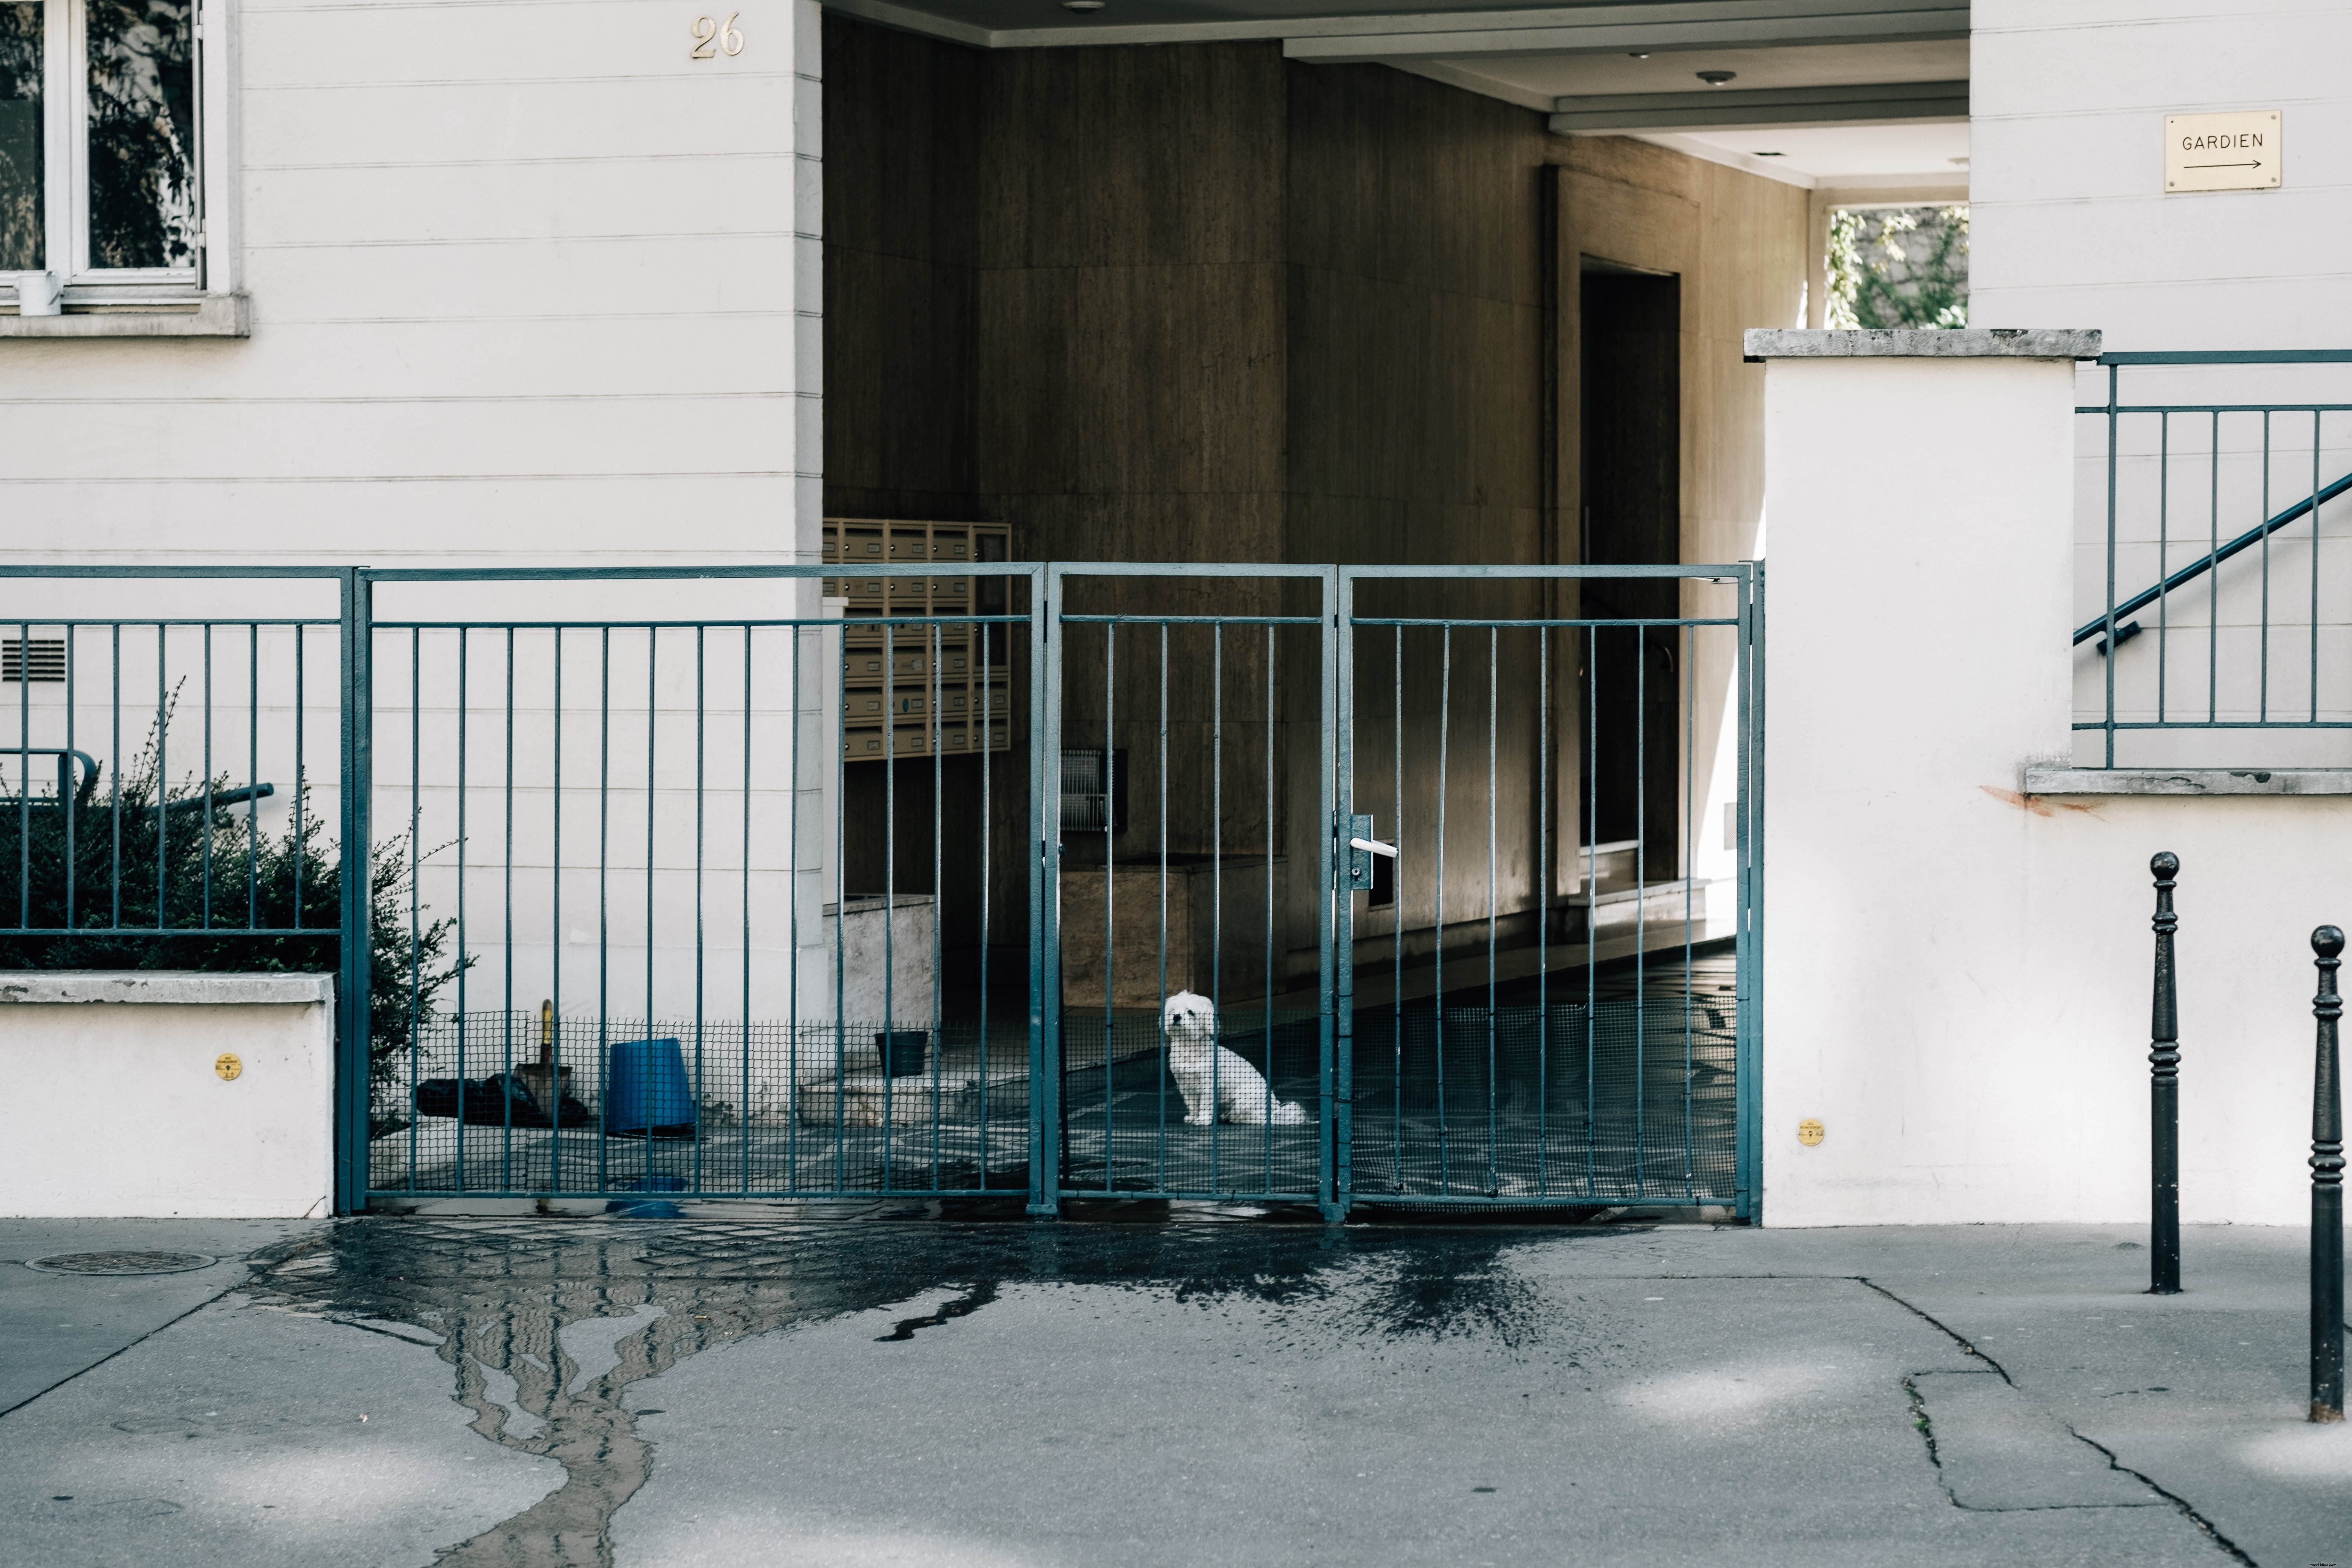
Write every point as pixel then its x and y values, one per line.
pixel 1218 1085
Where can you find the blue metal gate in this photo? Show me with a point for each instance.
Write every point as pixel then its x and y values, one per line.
pixel 653 905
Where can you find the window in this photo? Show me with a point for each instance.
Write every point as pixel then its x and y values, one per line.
pixel 99 145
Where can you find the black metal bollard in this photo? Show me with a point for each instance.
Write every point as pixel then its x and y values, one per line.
pixel 2164 1097
pixel 2328 1189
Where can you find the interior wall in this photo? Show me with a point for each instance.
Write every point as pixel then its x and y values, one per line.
pixel 1230 308
pixel 1418 326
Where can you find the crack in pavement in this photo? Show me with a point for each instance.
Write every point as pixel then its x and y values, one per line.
pixel 1921 1419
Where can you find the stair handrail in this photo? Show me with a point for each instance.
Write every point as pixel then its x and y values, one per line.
pixel 2254 535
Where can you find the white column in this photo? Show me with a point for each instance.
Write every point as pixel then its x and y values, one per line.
pixel 1919 593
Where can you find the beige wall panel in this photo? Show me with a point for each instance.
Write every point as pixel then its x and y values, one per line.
pixel 621 519
pixel 1403 179
pixel 466 437
pixel 1160 379
pixel 902 406
pixel 546 276
pixel 1134 157
pixel 702 355
pixel 1412 392
pixel 383 44
pixel 409 122
pixel 611 198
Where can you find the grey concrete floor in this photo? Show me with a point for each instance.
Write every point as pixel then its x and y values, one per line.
pixel 1188 1388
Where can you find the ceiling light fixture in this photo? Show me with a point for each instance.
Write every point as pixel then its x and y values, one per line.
pixel 1717 78
pixel 1082 6
pixel 1637 54
pixel 1771 154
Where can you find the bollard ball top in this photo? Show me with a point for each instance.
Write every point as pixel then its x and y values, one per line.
pixel 2327 941
pixel 2166 864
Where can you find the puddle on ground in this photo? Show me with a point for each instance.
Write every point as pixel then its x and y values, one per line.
pixel 546 1323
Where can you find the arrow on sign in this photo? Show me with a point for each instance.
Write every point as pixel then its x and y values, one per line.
pixel 2255 164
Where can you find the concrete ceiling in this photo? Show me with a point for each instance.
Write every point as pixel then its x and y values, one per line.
pixel 1844 90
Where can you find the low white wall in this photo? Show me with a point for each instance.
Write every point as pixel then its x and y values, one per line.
pixel 115 1106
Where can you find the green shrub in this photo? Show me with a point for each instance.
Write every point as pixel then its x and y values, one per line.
pixel 166 849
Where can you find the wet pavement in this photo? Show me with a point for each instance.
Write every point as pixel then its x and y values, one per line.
pixel 1160 1385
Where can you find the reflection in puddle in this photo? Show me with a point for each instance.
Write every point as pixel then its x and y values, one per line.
pixel 545 1324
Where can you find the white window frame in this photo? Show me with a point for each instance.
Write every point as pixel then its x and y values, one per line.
pixel 66 189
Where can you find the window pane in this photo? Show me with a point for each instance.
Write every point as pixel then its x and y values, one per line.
pixel 20 136
pixel 143 133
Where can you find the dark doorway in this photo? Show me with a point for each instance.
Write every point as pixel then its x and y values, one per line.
pixel 1632 515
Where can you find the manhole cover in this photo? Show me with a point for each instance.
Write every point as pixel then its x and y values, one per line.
pixel 121 1263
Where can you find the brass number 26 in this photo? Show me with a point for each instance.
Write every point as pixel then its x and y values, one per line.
pixel 709 37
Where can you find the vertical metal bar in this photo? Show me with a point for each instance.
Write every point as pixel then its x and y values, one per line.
pixel 2164 1095
pixel 301 775
pixel 114 765
pixel 1045 590
pixel 252 775
pixel 25 778
pixel 506 935
pixel 416 867
pixel 1160 1074
pixel 2213 577
pixel 2163 559
pixel 1641 907
pixel 840 933
pixel 1688 859
pixel 890 887
pixel 1216 881
pixel 69 797
pixel 603 896
pixel 357 720
pixel 1494 665
pixel 2263 711
pixel 2315 566
pixel 1747 843
pixel 465 700
pixel 2109 676
pixel 792 970
pixel 1266 1126
pixel 1437 998
pixel 701 754
pixel 2326 1188
pixel 1543 907
pixel 652 709
pixel 981 633
pixel 1110 881
pixel 1336 906
pixel 1396 909
pixel 162 770
pixel 551 1043
pixel 1592 781
pixel 206 783
pixel 938 857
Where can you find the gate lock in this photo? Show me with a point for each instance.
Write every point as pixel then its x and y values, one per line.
pixel 1362 847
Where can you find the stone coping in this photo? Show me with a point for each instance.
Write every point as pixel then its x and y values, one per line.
pixel 2189 781
pixel 164 987
pixel 205 315
pixel 1922 342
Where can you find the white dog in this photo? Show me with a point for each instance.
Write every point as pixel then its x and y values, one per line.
pixel 1217 1084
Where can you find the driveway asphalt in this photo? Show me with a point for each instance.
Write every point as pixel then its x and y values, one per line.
pixel 1204 1386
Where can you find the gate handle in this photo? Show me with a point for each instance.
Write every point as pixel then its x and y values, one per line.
pixel 1374 845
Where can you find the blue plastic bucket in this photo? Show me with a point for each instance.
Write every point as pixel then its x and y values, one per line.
pixel 901 1051
pixel 645 1091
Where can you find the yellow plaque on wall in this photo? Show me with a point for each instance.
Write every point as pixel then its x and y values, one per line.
pixel 227 1065
pixel 2224 152
pixel 1810 1132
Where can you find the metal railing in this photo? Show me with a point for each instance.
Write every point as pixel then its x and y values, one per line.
pixel 2241 627
pixel 629 924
